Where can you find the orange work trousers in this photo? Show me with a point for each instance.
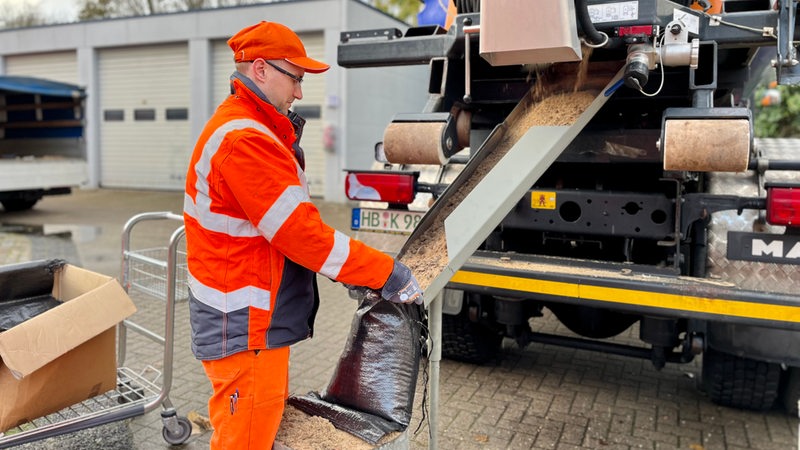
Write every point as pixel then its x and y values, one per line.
pixel 250 391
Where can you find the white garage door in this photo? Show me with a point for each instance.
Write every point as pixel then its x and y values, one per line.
pixel 221 70
pixel 57 66
pixel 144 108
pixel 311 107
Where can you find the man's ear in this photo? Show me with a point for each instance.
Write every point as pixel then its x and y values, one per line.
pixel 259 70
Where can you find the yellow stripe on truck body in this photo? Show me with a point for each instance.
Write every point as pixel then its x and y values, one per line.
pixel 656 293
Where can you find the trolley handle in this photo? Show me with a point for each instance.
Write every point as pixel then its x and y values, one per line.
pixel 169 323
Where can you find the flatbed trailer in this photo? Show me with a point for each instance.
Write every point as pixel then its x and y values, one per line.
pixel 42 141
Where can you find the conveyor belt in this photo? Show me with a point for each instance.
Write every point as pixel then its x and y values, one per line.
pixel 512 158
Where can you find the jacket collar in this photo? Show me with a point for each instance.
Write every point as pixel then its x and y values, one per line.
pixel 245 88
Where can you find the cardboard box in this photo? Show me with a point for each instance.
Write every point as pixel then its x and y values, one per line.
pixel 515 32
pixel 65 355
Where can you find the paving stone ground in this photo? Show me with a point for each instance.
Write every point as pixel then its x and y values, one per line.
pixel 538 397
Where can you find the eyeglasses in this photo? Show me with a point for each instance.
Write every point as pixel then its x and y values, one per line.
pixel 286 72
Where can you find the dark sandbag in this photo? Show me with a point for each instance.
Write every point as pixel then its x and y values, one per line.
pixel 377 371
pixel 376 375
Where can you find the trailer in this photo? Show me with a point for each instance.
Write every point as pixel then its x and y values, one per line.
pixel 42 140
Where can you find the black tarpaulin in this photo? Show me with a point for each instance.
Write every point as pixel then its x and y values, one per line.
pixel 25 290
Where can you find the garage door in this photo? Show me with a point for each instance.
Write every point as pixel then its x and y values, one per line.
pixel 144 108
pixel 310 107
pixel 57 66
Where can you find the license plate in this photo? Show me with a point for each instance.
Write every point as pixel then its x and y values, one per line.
pixel 385 220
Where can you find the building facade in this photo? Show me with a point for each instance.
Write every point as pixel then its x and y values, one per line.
pixel 153 81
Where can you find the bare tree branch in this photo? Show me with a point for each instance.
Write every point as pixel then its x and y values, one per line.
pixel 20 15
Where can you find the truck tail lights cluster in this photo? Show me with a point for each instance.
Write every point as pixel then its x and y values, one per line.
pixel 391 187
pixel 783 204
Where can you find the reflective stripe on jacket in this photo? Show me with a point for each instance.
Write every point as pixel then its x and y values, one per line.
pixel 254 240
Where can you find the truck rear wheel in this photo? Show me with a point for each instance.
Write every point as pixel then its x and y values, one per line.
pixel 466 341
pixel 18 204
pixel 791 390
pixel 740 382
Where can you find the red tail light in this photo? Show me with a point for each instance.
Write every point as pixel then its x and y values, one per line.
pixel 783 204
pixel 392 187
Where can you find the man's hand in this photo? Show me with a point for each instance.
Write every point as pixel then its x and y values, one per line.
pixel 362 292
pixel 402 287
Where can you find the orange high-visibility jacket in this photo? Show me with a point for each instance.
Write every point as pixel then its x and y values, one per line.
pixel 254 240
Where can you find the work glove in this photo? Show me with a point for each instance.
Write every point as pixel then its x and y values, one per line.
pixel 402 287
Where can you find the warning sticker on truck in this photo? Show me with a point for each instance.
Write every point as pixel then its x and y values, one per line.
pixel 543 200
pixel 614 12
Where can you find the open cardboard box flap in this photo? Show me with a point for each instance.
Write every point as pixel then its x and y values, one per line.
pixel 92 303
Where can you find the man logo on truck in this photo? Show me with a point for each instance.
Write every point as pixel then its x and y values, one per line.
pixel 774 248
pixel 781 249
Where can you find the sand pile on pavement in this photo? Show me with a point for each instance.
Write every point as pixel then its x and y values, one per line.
pixel 300 431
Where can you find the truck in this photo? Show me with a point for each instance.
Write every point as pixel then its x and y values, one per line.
pixel 42 142
pixel 657 208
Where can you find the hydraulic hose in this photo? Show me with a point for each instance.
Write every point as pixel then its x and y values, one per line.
pixel 593 37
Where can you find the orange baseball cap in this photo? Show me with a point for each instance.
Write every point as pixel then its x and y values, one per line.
pixel 270 40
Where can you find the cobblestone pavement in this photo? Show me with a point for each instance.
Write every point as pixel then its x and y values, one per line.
pixel 539 397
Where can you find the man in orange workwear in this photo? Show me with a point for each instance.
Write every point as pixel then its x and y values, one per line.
pixel 255 241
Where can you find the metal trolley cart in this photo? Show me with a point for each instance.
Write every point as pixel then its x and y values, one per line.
pixel 157 272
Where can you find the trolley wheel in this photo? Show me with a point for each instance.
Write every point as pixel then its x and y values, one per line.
pixel 181 436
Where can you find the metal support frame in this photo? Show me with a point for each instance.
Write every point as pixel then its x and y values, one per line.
pixel 786 64
pixel 434 359
pixel 482 210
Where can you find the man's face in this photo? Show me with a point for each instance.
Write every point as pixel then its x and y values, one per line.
pixel 279 81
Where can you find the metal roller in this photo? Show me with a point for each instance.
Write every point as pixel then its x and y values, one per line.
pixel 414 143
pixel 422 138
pixel 718 140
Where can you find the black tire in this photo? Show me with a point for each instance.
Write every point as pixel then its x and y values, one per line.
pixel 790 390
pixel 469 342
pixel 14 205
pixel 738 382
pixel 181 436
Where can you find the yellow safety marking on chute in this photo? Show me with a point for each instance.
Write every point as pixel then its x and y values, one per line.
pixel 718 306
